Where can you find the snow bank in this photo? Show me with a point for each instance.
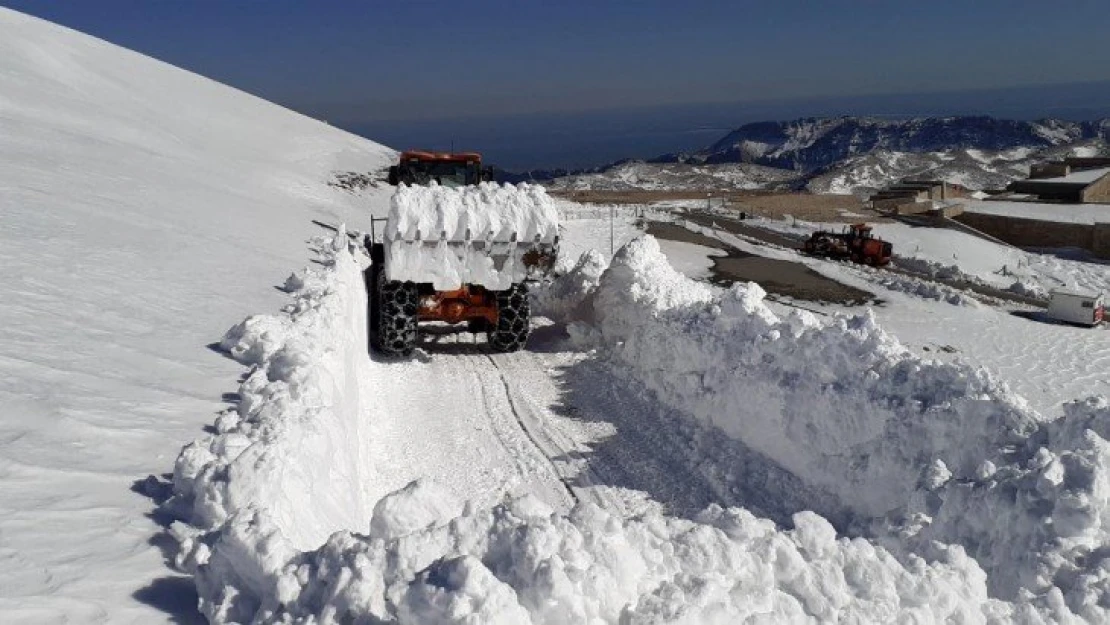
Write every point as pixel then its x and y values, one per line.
pixel 923 288
pixel 843 406
pixel 290 456
pixel 1037 516
pixel 936 451
pixel 520 563
pixel 467 235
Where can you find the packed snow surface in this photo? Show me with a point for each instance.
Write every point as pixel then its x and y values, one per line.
pixel 451 236
pixel 690 259
pixel 1064 213
pixel 143 210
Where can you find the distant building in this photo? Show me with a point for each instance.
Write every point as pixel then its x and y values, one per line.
pixel 1074 180
pixel 915 196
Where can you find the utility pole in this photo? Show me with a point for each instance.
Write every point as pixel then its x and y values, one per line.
pixel 612 215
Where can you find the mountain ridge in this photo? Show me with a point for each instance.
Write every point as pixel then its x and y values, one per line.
pixel 855 154
pixel 810 143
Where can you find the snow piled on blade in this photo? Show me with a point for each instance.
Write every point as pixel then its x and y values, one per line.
pixel 467 235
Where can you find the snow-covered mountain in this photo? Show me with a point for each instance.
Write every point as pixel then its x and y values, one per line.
pixel 971 168
pixel 858 155
pixel 143 210
pixel 811 144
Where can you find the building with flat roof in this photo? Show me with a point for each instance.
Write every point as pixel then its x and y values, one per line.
pixel 1073 180
pixel 911 196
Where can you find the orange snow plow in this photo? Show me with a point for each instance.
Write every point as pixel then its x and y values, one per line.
pixel 457 249
pixel 854 243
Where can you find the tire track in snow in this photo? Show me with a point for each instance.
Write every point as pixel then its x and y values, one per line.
pixel 444 415
pixel 537 423
pixel 528 432
pixel 565 430
pixel 637 454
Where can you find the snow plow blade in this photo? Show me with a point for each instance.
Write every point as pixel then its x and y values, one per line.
pixel 488 235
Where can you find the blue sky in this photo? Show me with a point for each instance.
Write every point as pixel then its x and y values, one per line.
pixel 575 83
pixel 401 59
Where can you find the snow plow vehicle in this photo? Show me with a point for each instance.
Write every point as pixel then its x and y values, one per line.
pixel 854 243
pixel 457 249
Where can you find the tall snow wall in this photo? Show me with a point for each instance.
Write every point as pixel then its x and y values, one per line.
pixel 922 450
pixel 291 455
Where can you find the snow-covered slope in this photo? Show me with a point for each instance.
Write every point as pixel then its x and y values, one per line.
pixel 143 210
pixel 970 168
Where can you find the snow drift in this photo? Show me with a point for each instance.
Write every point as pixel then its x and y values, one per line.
pixel 925 451
pixel 143 210
pixel 291 453
pixel 468 235
pixel 519 564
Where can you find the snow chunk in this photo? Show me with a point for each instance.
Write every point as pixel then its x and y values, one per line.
pixel 569 297
pixel 420 504
pixel 461 591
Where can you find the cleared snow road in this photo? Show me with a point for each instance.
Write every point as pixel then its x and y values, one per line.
pixel 446 415
pixel 557 425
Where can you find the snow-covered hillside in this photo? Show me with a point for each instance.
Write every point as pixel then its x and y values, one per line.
pixel 143 210
pixel 971 168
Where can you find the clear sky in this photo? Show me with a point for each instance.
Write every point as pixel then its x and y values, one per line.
pixel 575 83
pixel 406 59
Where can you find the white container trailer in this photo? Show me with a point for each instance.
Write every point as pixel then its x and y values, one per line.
pixel 1081 308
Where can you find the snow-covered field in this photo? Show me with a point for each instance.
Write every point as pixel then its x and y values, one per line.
pixel 666 451
pixel 1048 363
pixel 1064 213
